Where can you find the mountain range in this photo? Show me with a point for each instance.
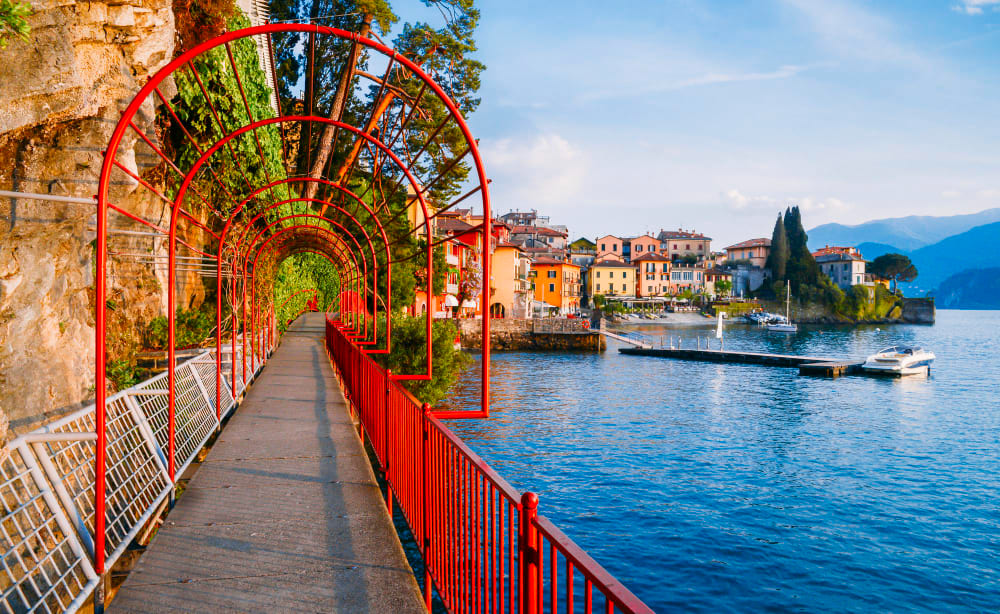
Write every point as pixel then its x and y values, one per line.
pixel 906 233
pixel 939 246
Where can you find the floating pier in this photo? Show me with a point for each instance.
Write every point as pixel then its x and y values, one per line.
pixel 807 365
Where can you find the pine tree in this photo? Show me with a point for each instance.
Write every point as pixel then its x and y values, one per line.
pixel 777 259
pixel 802 269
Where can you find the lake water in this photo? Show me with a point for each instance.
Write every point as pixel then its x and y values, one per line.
pixel 708 487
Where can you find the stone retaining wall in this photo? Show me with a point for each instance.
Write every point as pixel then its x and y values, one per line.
pixel 559 334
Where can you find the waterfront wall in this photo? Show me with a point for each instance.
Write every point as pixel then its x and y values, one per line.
pixel 542 334
pixel 919 310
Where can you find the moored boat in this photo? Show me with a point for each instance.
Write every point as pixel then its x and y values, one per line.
pixel 900 360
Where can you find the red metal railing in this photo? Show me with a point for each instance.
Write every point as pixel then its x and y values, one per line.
pixel 482 543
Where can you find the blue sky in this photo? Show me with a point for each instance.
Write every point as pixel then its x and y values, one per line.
pixel 623 117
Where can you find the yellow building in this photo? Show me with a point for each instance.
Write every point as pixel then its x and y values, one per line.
pixel 611 278
pixel 557 283
pixel 510 286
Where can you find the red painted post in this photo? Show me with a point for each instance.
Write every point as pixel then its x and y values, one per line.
pixel 527 547
pixel 425 411
pixel 385 442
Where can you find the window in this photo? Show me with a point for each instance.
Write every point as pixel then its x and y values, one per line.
pixel 611 274
pixel 614 247
pixel 598 288
pixel 688 275
pixel 638 248
pixel 701 247
pixel 664 267
pixel 650 288
pixel 598 275
pixel 552 287
pixel 675 246
pixel 688 247
pixel 552 273
pixel 603 247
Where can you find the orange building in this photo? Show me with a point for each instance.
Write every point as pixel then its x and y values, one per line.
pixel 652 274
pixel 557 283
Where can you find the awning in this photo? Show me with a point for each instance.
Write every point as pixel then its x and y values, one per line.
pixel 450 300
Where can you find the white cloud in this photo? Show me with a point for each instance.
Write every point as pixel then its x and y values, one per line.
pixel 951 194
pixel 852 31
pixel 740 201
pixel 975 7
pixel 543 170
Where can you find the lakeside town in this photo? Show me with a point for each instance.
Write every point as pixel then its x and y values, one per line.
pixel 536 271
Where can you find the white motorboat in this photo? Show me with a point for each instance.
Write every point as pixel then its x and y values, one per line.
pixel 900 360
pixel 784 325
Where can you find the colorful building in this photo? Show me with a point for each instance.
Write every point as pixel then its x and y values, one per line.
pixel 652 274
pixel 676 244
pixel 637 246
pixel 610 278
pixel 752 251
pixel 557 284
pixel 510 282
pixel 843 265
pixel 609 247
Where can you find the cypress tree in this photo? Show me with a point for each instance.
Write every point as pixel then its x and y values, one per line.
pixel 777 259
pixel 802 269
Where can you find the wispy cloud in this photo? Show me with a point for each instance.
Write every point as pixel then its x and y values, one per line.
pixel 545 170
pixel 852 31
pixel 740 201
pixel 707 79
pixel 975 7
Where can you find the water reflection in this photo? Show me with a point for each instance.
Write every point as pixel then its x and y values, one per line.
pixel 707 486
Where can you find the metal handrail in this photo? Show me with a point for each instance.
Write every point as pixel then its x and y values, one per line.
pixel 47 483
pixel 479 538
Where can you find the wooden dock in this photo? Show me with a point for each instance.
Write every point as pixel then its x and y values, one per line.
pixel 807 365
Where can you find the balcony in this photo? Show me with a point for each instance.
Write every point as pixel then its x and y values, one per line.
pixel 451 259
pixel 451 288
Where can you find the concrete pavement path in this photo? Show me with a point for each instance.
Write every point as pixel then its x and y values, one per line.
pixel 284 515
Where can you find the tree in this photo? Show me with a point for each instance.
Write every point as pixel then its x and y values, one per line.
pixel 777 259
pixel 723 286
pixel 894 267
pixel 801 269
pixel 13 21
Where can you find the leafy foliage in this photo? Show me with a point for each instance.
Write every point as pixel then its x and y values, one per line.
pixel 191 328
pixel 13 21
pixel 408 356
pixel 303 272
pixel 894 267
pixel 777 259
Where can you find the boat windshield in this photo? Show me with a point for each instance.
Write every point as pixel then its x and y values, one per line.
pixel 900 349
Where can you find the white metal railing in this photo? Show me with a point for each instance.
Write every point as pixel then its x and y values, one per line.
pixel 47 481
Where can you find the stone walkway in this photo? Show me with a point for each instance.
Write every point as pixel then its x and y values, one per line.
pixel 284 515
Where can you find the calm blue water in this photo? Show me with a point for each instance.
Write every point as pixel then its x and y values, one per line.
pixel 714 488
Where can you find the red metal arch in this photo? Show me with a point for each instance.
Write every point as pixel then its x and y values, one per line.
pixel 350 267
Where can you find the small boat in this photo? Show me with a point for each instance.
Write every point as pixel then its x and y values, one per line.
pixel 784 325
pixel 900 360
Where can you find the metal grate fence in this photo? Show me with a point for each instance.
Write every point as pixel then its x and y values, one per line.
pixel 47 481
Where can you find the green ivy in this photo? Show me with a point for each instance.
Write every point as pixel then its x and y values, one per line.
pixel 13 21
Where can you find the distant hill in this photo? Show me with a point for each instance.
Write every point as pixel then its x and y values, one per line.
pixel 906 233
pixel 972 289
pixel 978 248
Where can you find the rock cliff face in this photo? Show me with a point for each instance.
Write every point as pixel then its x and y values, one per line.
pixel 60 98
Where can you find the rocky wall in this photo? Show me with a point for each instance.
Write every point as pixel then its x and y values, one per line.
pixel 60 98
pixel 552 334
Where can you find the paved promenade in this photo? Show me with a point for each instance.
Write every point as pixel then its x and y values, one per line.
pixel 284 515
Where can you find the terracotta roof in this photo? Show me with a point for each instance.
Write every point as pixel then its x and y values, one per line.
pixel 822 256
pixel 681 234
pixel 751 243
pixel 451 224
pixel 652 256
pixel 547 260
pixel 614 264
pixel 536 230
pixel 513 245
